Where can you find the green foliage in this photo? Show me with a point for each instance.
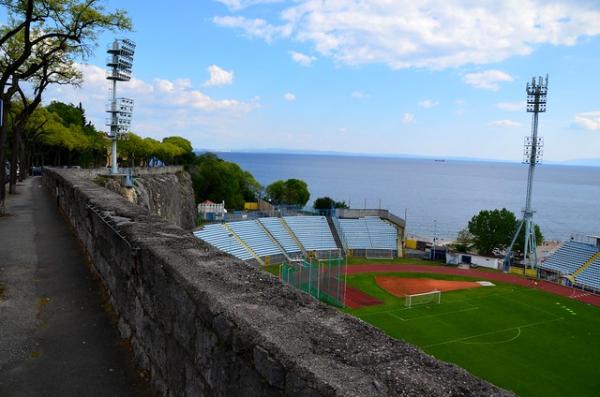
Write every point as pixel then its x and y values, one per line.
pixel 290 192
pixel 218 180
pixel 326 203
pixel 463 242
pixel 494 229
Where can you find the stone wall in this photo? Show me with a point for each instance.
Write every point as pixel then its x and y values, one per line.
pixel 170 196
pixel 165 191
pixel 204 323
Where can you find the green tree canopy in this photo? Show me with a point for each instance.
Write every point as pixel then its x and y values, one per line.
pixel 290 192
pixel 218 180
pixel 326 203
pixel 492 229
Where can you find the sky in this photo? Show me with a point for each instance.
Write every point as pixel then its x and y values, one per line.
pixel 435 78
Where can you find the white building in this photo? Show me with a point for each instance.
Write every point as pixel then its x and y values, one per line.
pixel 210 211
pixel 458 258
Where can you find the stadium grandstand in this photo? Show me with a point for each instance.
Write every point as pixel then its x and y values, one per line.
pixel 371 237
pixel 274 240
pixel 575 263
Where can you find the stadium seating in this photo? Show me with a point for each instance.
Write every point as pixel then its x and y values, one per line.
pixel 312 231
pixel 590 276
pixel 255 237
pixel 220 238
pixel 369 233
pixel 569 257
pixel 280 233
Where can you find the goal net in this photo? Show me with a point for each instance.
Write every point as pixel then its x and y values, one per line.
pixel 423 298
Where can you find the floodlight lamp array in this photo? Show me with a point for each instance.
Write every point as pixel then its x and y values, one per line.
pixel 120 60
pixel 533 150
pixel 536 94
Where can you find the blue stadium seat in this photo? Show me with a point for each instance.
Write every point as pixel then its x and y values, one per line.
pixel 570 257
pixel 312 231
pixel 281 234
pixel 590 276
pixel 369 233
pixel 251 233
pixel 220 238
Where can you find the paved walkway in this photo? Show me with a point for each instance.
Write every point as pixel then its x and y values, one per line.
pixel 482 274
pixel 55 338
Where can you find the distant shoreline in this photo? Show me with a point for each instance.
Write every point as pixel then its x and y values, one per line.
pixel 591 163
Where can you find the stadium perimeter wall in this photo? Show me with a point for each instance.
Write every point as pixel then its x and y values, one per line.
pixel 204 323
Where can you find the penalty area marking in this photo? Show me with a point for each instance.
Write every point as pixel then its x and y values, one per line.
pixel 461 340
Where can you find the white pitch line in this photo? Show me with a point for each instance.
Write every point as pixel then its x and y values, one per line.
pixel 443 314
pixel 493 332
pixel 496 342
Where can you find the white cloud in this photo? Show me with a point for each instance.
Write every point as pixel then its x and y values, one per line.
pixel 504 123
pixel 253 27
pixel 162 106
pixel 428 103
pixel 359 95
pixel 408 118
pixel 487 79
pixel 218 76
pixel 288 96
pixel 302 59
pixel 511 106
pixel 434 34
pixel 343 130
pixel 588 120
pixel 236 5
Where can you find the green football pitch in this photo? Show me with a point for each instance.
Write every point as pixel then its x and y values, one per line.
pixel 525 340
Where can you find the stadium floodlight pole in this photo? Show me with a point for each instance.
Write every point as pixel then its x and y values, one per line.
pixel 434 237
pixel 119 62
pixel 532 155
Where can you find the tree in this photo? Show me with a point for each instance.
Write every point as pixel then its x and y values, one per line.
pixel 218 180
pixel 187 152
pixel 39 33
pixel 494 229
pixel 327 203
pixel 463 241
pixel 290 192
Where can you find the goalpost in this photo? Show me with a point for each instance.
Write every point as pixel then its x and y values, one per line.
pixel 423 298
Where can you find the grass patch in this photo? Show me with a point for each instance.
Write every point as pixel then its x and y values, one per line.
pixel 521 339
pixel 273 269
pixel 100 180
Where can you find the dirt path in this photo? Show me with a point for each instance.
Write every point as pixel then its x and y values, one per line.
pixel 481 275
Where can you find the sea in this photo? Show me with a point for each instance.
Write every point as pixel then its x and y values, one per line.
pixel 440 196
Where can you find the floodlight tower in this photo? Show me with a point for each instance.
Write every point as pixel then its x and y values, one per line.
pixel 119 62
pixel 532 155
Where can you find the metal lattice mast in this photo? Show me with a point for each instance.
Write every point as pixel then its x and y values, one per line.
pixel 119 62
pixel 532 155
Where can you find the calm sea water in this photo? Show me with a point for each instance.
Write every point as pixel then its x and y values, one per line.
pixel 447 194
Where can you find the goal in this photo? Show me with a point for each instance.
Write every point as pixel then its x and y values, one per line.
pixel 423 298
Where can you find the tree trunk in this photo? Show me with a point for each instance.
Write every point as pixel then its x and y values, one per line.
pixel 14 161
pixel 3 134
pixel 23 160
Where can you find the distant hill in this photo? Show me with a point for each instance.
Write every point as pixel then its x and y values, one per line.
pixel 584 162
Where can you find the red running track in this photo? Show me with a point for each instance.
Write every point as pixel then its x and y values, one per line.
pixel 481 274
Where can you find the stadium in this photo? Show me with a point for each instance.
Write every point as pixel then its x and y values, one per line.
pixel 512 330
